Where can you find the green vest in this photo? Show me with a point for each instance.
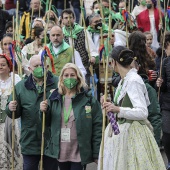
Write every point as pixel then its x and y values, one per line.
pixel 127 103
pixel 62 59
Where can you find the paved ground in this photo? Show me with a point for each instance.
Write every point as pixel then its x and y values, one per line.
pixel 93 166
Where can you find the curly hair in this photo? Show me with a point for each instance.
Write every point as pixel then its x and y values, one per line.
pixel 137 43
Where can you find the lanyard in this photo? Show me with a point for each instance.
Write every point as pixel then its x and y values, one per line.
pixel 66 113
pixel 118 93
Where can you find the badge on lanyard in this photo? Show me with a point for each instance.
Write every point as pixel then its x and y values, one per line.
pixel 65 134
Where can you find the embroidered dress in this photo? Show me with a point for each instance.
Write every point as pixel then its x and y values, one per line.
pixel 6 130
pixel 134 148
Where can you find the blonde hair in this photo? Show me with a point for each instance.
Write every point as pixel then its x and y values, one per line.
pixel 46 16
pixel 81 82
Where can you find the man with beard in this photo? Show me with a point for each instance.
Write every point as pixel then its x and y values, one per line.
pixel 95 28
pixel 62 53
pixel 76 36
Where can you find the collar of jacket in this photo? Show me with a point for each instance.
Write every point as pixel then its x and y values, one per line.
pixel 57 96
pixel 29 84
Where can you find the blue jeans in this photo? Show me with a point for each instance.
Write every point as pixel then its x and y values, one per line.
pixel 31 162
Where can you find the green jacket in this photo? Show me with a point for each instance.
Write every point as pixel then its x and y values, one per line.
pixel 28 104
pixel 154 116
pixel 88 125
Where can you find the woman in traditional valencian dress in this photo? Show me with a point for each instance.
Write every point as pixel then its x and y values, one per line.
pixel 5 122
pixel 134 148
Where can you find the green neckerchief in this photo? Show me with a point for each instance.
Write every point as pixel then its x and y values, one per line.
pixel 64 46
pixel 73 31
pixel 119 17
pixel 104 29
pixel 66 113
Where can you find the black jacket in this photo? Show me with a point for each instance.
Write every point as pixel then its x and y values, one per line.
pixel 165 88
pixel 4 18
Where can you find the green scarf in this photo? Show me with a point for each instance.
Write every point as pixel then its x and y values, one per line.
pixel 104 29
pixel 64 46
pixel 73 31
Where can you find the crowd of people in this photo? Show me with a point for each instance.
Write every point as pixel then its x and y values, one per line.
pixel 53 77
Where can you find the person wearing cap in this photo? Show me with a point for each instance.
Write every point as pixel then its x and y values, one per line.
pixel 149 20
pixel 134 147
pixel 28 95
pixel 6 82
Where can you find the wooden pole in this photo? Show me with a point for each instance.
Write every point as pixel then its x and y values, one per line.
pixel 126 20
pixel 64 4
pixel 44 97
pixel 88 51
pixel 31 21
pixel 13 98
pixel 39 11
pixel 163 41
pixel 105 94
pixel 72 39
pixel 101 10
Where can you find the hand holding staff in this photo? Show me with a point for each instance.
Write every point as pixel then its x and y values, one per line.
pixel 44 97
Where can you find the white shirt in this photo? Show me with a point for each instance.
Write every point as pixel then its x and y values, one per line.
pixel 155 43
pixel 134 86
pixel 96 40
pixel 137 10
pixel 120 37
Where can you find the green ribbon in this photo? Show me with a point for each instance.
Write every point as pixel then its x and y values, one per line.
pixel 72 32
pixel 66 113
pixel 105 29
pixel 18 50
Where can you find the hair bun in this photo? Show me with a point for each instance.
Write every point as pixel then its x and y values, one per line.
pixel 126 57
